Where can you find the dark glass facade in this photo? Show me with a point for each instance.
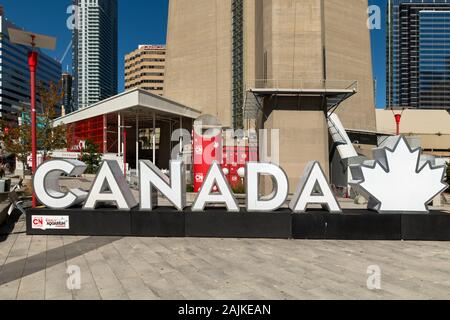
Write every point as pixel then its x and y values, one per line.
pixel 418 54
pixel 15 74
pixel 67 90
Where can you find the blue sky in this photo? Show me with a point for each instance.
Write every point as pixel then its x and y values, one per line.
pixel 379 54
pixel 143 22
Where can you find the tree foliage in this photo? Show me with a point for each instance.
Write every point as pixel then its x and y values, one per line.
pixel 17 138
pixel 91 157
pixel 51 137
pixel 17 141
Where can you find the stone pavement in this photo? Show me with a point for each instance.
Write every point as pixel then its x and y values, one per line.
pixel 35 267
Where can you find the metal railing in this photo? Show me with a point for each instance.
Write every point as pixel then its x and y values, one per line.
pixel 305 84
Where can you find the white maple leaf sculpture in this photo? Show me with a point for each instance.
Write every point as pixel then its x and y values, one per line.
pixel 397 181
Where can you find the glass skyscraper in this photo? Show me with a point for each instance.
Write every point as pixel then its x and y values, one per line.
pixel 15 74
pixel 95 58
pixel 418 54
pixel 67 83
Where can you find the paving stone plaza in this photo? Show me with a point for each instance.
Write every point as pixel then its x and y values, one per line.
pixel 194 167
pixel 41 267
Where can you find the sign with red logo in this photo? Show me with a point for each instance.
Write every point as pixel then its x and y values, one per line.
pixel 50 222
pixel 207 148
pixel 38 222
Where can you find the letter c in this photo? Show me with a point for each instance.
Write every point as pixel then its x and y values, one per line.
pixel 46 183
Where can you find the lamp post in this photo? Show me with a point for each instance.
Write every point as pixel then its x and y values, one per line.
pixel 32 63
pixel 398 120
pixel 34 41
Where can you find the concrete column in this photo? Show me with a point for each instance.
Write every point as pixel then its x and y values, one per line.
pixel 303 138
pixel 303 133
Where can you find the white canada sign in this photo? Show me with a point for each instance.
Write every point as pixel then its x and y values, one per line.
pixel 395 182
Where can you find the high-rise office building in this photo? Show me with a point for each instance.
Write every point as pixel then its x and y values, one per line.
pixel 418 54
pixel 217 49
pixel 67 82
pixel 95 51
pixel 15 73
pixel 144 68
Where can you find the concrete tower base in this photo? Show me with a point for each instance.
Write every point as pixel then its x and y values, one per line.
pixel 303 138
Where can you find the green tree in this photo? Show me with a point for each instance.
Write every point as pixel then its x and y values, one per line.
pixel 51 137
pixel 18 142
pixel 91 157
pixel 18 139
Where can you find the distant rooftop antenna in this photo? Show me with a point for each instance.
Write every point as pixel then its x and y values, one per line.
pixel 66 52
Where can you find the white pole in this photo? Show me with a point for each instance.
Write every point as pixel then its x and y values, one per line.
pixel 154 138
pixel 105 134
pixel 119 135
pixel 122 126
pixel 137 144
pixel 181 136
pixel 171 133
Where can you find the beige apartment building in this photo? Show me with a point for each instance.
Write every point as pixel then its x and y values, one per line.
pixel 285 63
pixel 145 67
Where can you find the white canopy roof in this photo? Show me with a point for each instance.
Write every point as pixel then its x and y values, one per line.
pixel 133 101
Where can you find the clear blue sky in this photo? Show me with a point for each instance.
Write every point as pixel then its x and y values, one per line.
pixel 143 22
pixel 379 54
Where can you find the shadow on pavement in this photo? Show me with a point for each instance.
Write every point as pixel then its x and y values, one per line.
pixel 32 264
pixel 7 228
